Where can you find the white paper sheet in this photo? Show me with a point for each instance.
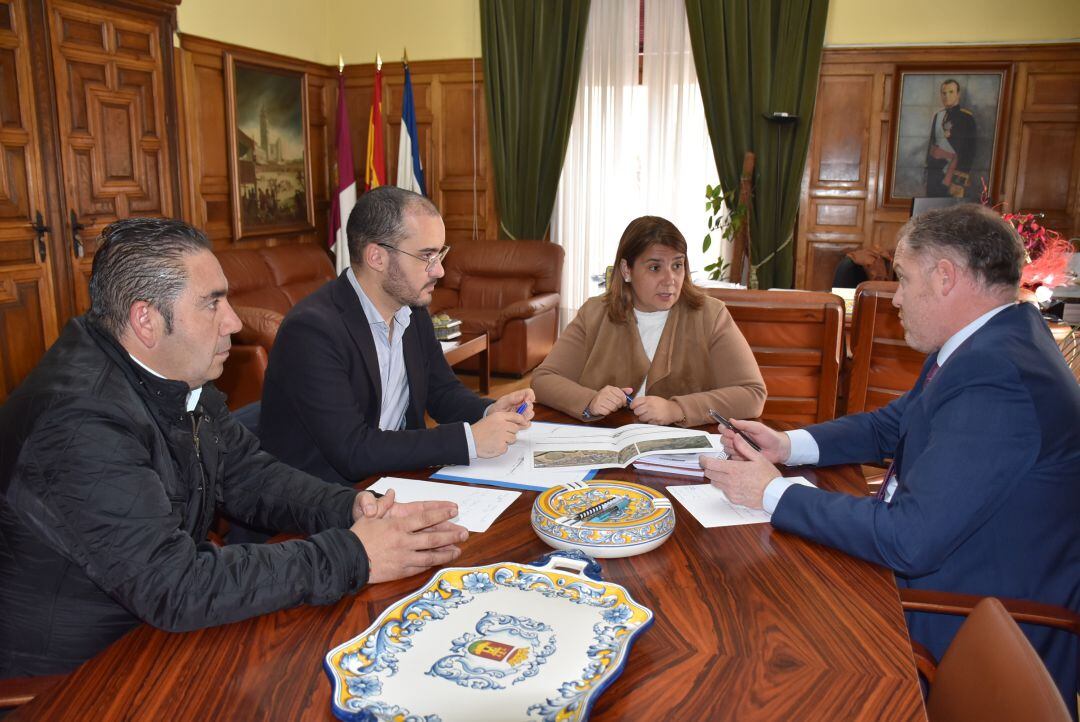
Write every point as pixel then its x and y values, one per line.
pixel 711 507
pixel 514 468
pixel 477 508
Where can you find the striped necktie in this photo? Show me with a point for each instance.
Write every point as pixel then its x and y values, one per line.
pixel 892 465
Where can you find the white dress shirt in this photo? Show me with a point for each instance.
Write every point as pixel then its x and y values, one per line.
pixel 804 450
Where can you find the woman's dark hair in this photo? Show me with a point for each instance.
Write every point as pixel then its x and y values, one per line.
pixel 636 239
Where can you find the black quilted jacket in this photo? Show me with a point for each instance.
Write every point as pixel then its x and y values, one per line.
pixel 107 490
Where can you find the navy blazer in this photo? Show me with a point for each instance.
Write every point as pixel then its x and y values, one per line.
pixel 988 500
pixel 323 394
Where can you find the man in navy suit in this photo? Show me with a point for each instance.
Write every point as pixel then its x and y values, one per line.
pixel 356 364
pixel 983 496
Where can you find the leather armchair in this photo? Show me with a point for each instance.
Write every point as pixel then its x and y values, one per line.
pixel 508 290
pixel 264 283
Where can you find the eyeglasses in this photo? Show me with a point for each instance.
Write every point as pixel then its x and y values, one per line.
pixel 431 259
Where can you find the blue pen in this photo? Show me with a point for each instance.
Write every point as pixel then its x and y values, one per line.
pixel 629 398
pixel 620 504
pixel 524 405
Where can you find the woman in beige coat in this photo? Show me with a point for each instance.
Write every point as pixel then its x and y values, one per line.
pixel 654 342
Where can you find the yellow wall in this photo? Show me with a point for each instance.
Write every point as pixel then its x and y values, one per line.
pixel 888 22
pixel 318 30
pixel 430 29
pixel 296 28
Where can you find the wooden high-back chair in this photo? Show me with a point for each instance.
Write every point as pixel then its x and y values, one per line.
pixel 796 338
pixel 883 366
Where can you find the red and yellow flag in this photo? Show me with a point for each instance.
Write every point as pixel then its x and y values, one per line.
pixel 375 175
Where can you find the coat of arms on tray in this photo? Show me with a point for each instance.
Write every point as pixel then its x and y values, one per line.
pixel 504 647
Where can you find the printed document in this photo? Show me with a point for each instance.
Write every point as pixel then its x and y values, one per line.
pixel 477 508
pixel 712 508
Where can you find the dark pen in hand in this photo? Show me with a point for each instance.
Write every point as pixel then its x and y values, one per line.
pixel 728 425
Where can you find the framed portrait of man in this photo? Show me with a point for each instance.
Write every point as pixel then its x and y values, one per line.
pixel 268 139
pixel 946 125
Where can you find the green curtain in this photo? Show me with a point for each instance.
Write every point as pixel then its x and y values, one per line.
pixel 532 61
pixel 757 58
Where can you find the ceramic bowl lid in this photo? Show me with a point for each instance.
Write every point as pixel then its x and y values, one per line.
pixel 642 520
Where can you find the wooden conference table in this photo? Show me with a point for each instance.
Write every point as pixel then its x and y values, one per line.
pixel 751 624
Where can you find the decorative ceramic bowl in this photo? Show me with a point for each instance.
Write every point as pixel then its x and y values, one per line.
pixel 644 521
pixel 496 643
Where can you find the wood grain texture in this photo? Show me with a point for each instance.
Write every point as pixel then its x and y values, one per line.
pixel 28 311
pixel 883 366
pixel 797 340
pixel 751 623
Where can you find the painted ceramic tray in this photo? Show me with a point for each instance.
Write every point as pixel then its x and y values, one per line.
pixel 501 642
pixel 643 522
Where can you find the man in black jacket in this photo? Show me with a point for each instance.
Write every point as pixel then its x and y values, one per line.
pixel 116 452
pixel 356 364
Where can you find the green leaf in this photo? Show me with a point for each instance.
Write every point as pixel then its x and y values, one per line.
pixel 707 243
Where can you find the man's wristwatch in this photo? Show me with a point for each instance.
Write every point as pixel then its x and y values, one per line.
pixel 587 416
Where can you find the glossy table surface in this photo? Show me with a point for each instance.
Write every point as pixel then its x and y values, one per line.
pixel 751 623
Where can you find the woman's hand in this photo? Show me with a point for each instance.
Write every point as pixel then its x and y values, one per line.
pixel 608 400
pixel 655 410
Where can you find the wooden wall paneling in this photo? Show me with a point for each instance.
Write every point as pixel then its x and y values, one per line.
pixel 28 318
pixel 207 143
pixel 466 192
pixel 321 149
pixel 449 96
pixel 1045 163
pixel 832 218
pixel 1038 154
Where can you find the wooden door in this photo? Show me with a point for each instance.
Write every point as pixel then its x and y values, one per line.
pixel 112 90
pixel 28 323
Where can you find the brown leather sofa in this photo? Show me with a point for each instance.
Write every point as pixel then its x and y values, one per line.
pixel 264 283
pixel 508 290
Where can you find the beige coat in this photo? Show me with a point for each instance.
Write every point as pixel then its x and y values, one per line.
pixel 702 362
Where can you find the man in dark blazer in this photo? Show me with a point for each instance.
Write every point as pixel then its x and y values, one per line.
pixel 356 364
pixel 983 495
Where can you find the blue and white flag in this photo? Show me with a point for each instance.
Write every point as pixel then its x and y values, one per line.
pixel 410 173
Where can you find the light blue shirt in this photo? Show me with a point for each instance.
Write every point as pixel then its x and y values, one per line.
pixel 391 354
pixel 804 450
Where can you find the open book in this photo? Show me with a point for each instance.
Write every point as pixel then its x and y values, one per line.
pixel 590 447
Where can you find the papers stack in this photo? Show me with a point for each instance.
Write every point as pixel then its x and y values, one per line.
pixel 679 464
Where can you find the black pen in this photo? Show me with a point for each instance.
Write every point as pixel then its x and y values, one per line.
pixel 728 425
